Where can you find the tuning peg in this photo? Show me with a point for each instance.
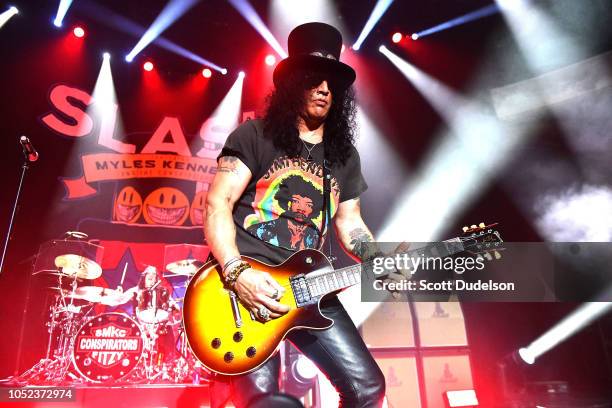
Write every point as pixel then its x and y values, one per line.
pixel 488 256
pixel 466 228
pixel 481 225
pixel 473 226
pixel 497 254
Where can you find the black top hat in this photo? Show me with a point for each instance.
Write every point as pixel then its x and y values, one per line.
pixel 315 46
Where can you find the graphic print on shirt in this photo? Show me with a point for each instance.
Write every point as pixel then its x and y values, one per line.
pixel 288 204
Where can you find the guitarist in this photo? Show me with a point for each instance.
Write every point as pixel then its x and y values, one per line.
pixel 262 204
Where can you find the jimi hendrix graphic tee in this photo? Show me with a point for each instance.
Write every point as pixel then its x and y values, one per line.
pixel 281 210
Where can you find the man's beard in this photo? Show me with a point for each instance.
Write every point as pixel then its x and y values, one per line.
pixel 299 217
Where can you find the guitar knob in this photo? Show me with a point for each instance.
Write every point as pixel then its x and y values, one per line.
pixel 473 226
pixel 465 229
pixel 497 254
pixel 482 225
pixel 238 336
pixel 228 357
pixel 251 351
pixel 216 343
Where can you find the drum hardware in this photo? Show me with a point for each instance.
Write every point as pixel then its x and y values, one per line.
pixel 78 349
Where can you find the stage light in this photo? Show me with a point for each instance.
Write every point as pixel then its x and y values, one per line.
pixel 148 66
pixel 78 32
pixel 171 12
pixel 570 325
pixel 466 18
pixel 248 12
pixel 106 16
pixel 526 356
pixel 397 37
pixel 207 73
pixel 270 60
pixel 303 369
pixel 379 9
pixel 106 55
pixel 414 36
pixel 61 12
pixel 241 74
pixel 6 15
pixel 382 49
pixel 460 398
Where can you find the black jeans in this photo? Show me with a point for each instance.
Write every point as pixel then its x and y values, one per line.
pixel 338 351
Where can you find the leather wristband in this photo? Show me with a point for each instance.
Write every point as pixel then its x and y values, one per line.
pixel 229 263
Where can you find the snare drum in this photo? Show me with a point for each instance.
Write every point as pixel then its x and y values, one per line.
pixel 108 347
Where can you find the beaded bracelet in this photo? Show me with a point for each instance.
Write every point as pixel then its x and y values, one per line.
pixel 233 274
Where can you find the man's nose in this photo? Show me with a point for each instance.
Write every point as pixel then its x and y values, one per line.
pixel 323 88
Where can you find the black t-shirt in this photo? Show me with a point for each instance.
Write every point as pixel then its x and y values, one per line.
pixel 280 210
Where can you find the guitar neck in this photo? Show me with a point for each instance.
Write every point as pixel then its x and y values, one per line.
pixel 324 282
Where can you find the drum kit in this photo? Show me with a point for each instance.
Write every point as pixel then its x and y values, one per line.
pixel 113 347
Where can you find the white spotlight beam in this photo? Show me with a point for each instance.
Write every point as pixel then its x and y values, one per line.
pixel 106 109
pixel 379 9
pixel 570 325
pixel 285 15
pixel 475 146
pixel 61 12
pixel 6 15
pixel 108 17
pixel 544 44
pixel 248 12
pixel 222 121
pixel 171 12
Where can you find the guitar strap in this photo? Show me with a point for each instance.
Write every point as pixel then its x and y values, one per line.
pixel 326 207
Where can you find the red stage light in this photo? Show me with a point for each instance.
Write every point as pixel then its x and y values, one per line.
pixel 148 66
pixel 207 73
pixel 397 37
pixel 79 32
pixel 270 59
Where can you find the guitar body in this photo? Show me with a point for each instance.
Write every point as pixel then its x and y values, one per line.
pixel 228 347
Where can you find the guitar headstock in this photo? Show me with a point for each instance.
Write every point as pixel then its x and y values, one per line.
pixel 483 241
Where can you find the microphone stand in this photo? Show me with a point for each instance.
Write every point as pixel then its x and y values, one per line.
pixel 24 168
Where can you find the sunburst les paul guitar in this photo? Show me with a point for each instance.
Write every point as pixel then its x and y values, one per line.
pixel 229 340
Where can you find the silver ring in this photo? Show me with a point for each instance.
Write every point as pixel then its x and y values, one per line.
pixel 275 295
pixel 263 313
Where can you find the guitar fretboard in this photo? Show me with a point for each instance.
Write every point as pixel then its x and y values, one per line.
pixel 322 283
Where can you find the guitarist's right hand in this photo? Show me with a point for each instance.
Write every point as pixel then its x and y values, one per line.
pixel 256 289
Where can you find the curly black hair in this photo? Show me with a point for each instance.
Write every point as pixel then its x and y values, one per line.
pixel 286 102
pixel 297 185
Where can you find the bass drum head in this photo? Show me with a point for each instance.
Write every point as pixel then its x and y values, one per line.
pixel 108 347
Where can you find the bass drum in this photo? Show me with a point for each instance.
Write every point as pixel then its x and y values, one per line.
pixel 108 347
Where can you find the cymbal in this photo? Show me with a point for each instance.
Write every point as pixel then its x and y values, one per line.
pixel 79 266
pixel 185 267
pixel 97 294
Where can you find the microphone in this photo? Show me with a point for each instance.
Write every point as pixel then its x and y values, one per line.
pixel 29 151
